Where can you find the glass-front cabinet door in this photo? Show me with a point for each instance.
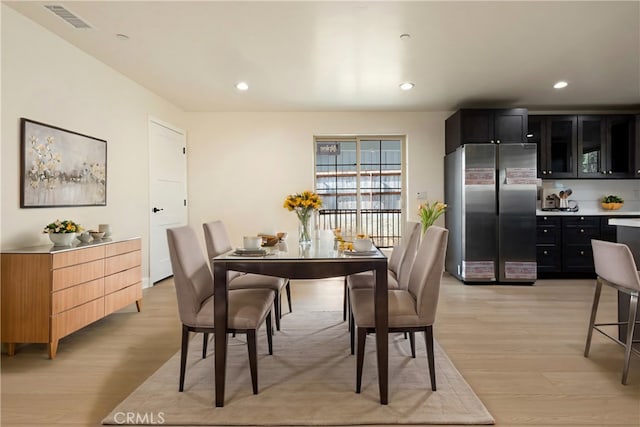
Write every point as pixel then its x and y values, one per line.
pixel 591 146
pixel 606 146
pixel 556 137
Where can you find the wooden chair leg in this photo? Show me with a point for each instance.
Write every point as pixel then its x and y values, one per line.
pixel 205 341
pixel 592 321
pixel 288 289
pixel 269 333
pixel 352 332
pixel 412 343
pixel 633 308
pixel 183 356
pixel 253 358
pixel 277 307
pixel 428 338
pixel 344 300
pixel 362 339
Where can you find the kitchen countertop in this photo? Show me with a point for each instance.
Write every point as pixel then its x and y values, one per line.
pixel 593 208
pixel 626 222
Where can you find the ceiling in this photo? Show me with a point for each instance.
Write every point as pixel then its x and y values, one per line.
pixel 348 56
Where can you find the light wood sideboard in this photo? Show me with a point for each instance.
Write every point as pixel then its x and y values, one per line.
pixel 49 292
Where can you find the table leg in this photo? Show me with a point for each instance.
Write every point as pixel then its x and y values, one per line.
pixel 382 332
pixel 220 318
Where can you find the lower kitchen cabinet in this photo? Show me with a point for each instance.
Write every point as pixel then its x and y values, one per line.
pixel 563 244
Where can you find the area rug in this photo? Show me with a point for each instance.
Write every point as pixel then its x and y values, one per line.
pixel 309 380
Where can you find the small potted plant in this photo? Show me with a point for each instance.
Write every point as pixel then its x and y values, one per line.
pixel 612 202
pixel 62 233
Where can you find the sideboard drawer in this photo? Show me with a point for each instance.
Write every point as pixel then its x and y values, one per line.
pixel 76 295
pixel 123 297
pixel 122 262
pixel 74 275
pixel 123 247
pixel 122 279
pixel 71 320
pixel 64 259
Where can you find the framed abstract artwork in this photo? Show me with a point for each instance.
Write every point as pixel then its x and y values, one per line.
pixel 60 168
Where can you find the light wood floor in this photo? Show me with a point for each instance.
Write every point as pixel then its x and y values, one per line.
pixel 519 347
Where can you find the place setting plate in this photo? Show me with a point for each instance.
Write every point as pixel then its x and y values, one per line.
pixel 361 253
pixel 250 252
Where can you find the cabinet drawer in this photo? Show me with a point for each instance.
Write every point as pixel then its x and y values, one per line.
pixel 550 221
pixel 549 259
pixel 581 221
pixel 122 279
pixel 548 235
pixel 580 235
pixel 76 274
pixel 76 295
pixel 64 323
pixel 578 259
pixel 122 262
pixel 123 247
pixel 122 298
pixel 78 256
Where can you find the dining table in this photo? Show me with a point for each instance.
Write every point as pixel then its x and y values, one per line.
pixel 320 259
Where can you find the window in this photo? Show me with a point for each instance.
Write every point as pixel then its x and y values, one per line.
pixel 360 182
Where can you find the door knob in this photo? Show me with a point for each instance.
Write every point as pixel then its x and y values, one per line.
pixel 154 210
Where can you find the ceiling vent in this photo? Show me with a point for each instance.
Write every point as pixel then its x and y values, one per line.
pixel 67 16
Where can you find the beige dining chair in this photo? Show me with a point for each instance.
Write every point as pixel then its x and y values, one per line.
pixel 248 309
pixel 615 267
pixel 400 262
pixel 217 240
pixel 412 307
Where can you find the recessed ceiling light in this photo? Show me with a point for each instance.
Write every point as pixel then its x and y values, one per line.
pixel 529 135
pixel 407 86
pixel 242 86
pixel 121 36
pixel 405 36
pixel 560 85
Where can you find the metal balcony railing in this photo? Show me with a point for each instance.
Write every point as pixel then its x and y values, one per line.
pixel 382 225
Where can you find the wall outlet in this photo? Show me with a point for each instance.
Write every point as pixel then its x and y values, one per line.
pixel 422 195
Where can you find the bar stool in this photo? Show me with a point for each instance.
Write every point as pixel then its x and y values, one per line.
pixel 615 267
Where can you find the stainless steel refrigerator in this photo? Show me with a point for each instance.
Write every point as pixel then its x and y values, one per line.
pixel 490 190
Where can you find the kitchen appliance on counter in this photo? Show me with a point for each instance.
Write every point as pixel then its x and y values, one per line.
pixel 558 200
pixel 491 193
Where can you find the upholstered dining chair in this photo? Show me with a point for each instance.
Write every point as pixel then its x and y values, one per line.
pixel 248 308
pixel 217 240
pixel 615 267
pixel 400 263
pixel 412 306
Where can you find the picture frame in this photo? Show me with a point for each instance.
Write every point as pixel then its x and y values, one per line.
pixel 61 168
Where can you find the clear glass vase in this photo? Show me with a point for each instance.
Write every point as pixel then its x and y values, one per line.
pixel 304 227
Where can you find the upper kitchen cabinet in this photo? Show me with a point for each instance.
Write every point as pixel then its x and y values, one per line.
pixel 495 126
pixel 637 149
pixel 557 141
pixel 606 146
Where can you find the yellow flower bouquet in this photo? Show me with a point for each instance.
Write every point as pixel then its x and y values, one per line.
pixel 429 212
pixel 303 204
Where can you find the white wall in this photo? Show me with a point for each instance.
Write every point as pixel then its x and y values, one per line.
pixel 48 80
pixel 243 165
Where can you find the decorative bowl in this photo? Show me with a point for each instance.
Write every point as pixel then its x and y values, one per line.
pixel 62 239
pixel 611 206
pixel 97 235
pixel 362 244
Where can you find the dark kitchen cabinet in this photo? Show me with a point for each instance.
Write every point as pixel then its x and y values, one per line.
pixel 606 146
pixel 577 232
pixel 557 140
pixel 637 148
pixel 549 244
pixel 563 244
pixel 496 126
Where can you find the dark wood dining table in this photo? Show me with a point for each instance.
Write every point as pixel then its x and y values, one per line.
pixel 315 261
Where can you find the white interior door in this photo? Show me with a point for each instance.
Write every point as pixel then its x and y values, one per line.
pixel 168 192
